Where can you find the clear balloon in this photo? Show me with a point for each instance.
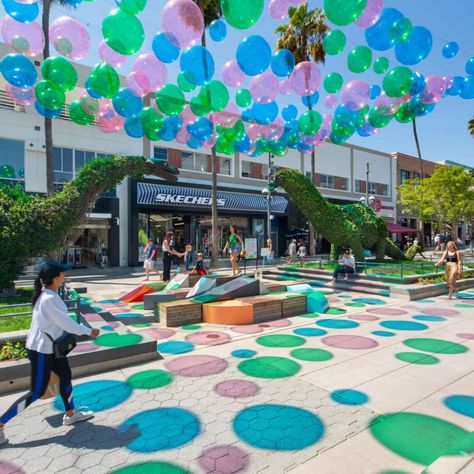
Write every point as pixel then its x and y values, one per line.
pixel 253 55
pixel 197 64
pixel 232 75
pixel 217 30
pixel 25 38
pixel 305 78
pixel 165 50
pixel 110 56
pixel 183 23
pixel 22 12
pixel 359 59
pixel 242 14
pixel 333 82
pixel 371 13
pixel 264 88
pixel 355 95
pixel 152 73
pixel 283 63
pixel 123 32
pixel 126 103
pixel 344 12
pixel 335 42
pixel 69 38
pixel 18 70
pixel 387 31
pixel 416 48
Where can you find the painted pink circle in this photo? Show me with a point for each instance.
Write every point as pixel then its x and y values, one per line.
pixel 84 347
pixel 114 324
pixel 466 336
pixel 10 468
pixel 208 338
pixel 350 342
pixel 278 323
pixel 196 365
pixel 247 329
pixel 158 334
pixel 387 311
pixel 224 459
pixel 333 300
pixel 236 388
pixel 364 317
pixel 439 311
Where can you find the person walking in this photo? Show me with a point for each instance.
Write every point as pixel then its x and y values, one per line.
pixel 151 251
pixel 291 251
pixel 234 245
pixel 168 252
pixel 346 265
pixel 437 242
pixel 49 322
pixel 453 267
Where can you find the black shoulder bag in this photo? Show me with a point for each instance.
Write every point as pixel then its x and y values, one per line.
pixel 63 345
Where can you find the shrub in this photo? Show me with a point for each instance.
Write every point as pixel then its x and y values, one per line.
pixel 13 351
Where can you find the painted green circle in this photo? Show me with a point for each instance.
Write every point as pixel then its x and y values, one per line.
pixel 151 467
pixel 417 358
pixel 280 340
pixel 141 325
pixel 420 438
pixel 463 305
pixel 311 355
pixel 191 327
pixel 309 315
pixel 118 340
pixel 355 305
pixel 138 306
pixel 334 310
pixel 438 346
pixel 269 367
pixel 150 379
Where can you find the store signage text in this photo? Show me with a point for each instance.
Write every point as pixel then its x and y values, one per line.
pixel 187 200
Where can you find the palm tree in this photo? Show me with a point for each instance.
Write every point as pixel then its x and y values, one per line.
pixel 211 10
pixel 304 35
pixel 470 126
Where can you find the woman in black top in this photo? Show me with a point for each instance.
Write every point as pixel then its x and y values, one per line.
pixel 453 267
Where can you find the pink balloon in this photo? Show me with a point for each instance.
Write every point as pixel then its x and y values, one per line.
pixel 327 119
pixel 285 87
pixel 367 130
pixel 264 87
pixel 69 38
pixel 275 130
pixel 108 55
pixel 305 78
pixel 386 105
pixel 152 72
pixel 296 2
pixel 19 95
pixel 371 13
pixel 25 38
pixel 109 121
pixel 183 136
pixel 434 90
pixel 254 131
pixel 182 21
pixel 355 95
pixel 227 118
pixel 278 9
pixel 134 85
pixel 232 75
pixel 330 101
pixel 187 116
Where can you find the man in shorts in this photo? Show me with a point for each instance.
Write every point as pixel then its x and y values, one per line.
pixel 151 251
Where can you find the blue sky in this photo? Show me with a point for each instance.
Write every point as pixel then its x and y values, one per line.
pixel 443 133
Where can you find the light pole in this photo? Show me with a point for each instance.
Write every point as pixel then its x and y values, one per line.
pixel 268 192
pixel 367 183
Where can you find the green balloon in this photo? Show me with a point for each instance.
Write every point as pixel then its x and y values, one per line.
pixel 406 34
pixel 49 95
pixel 243 98
pixel 170 100
pixel 377 120
pixel 123 32
pixel 199 105
pixel 184 84
pixel 152 123
pixel 404 114
pixel 344 12
pixel 7 171
pixel 359 59
pixel 60 72
pixel 398 81
pixel 89 105
pixel 335 42
pixel 279 147
pixel 241 14
pixel 215 93
pixel 104 80
pixel 224 146
pixel 310 122
pixel 78 115
pixel 333 82
pixel 381 65
pixel 131 6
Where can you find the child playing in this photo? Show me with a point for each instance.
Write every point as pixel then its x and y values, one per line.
pixel 199 267
pixel 188 256
pixel 302 253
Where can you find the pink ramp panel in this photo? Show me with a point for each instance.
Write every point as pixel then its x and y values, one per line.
pixel 136 295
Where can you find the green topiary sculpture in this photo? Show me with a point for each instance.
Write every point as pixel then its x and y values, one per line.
pixel 351 226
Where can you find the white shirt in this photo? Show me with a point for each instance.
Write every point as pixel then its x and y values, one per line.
pixel 302 251
pixel 349 261
pixel 292 249
pixel 50 316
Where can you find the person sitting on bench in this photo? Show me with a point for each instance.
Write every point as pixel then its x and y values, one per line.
pixel 346 266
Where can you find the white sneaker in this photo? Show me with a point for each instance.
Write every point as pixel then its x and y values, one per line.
pixel 3 438
pixel 77 416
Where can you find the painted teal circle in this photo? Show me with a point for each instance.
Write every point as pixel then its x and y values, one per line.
pixel 175 347
pixel 466 296
pixel 463 404
pixel 161 428
pixel 383 333
pixel 349 397
pixel 337 323
pixel 98 395
pixel 427 317
pixel 404 325
pixel 278 427
pixel 97 309
pixel 310 332
pixel 128 315
pixel 369 301
pixel 243 353
pixel 107 328
pixel 426 301
pixel 108 301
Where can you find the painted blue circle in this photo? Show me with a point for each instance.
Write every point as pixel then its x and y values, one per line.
pixel 463 404
pixel 337 323
pixel 243 353
pixel 107 328
pixel 427 317
pixel 310 332
pixel 128 315
pixel 383 333
pixel 466 296
pixel 108 301
pixel 426 301
pixel 175 347
pixel 404 325
pixel 161 428
pixel 349 397
pixel 278 427
pixel 369 301
pixel 98 395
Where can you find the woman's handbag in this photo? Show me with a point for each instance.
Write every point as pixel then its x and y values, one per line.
pixel 63 345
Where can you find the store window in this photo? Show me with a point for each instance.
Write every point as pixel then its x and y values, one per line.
pixel 327 181
pixel 63 165
pixel 160 154
pixel 404 175
pixel 344 184
pixel 12 159
pixel 372 188
pixel 250 169
pixel 225 166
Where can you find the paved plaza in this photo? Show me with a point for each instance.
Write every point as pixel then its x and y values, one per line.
pixel 375 385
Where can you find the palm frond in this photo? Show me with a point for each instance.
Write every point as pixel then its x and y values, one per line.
pixel 470 126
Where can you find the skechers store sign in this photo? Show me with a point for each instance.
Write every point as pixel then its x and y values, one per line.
pixel 181 197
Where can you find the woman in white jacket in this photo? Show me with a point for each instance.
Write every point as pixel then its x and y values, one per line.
pixel 50 320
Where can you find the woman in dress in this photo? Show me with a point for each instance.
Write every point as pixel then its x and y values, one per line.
pixel 453 267
pixel 233 245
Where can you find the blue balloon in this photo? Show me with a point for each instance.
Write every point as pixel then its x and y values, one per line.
pixel 418 84
pixel 470 66
pixel 375 91
pixel 450 49
pixel 303 148
pixel 217 30
pixel 171 127
pixel 456 88
pixel 265 113
pixel 420 109
pixel 242 145
pixel 197 64
pixel 387 31
pixel 201 129
pixel 164 49
pixel 310 100
pixel 289 113
pixel 283 63
pixel 347 118
pixel 467 90
pixel 18 70
pixel 247 115
pixel 133 127
pixel 254 55
pixel 73 3
pixel 91 91
pixel 22 12
pixel 194 144
pixel 126 103
pixel 48 113
pixel 416 48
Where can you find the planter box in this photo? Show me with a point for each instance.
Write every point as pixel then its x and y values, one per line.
pixel 178 313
